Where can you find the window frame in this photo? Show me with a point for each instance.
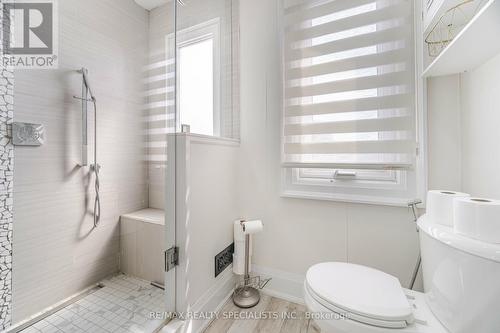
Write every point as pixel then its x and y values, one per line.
pixel 362 176
pixel 391 193
pixel 192 35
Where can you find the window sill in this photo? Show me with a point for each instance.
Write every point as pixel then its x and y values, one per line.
pixel 208 139
pixel 359 199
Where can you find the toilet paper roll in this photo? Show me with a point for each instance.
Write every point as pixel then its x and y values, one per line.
pixel 239 249
pixel 253 227
pixel 239 258
pixel 478 218
pixel 239 236
pixel 239 265
pixel 440 206
pixel 241 230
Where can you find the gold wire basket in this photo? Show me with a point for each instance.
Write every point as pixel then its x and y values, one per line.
pixel 450 24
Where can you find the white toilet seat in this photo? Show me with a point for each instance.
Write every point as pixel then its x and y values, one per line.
pixel 343 314
pixel 365 294
pixel 345 298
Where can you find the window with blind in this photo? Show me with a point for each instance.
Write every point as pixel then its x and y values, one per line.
pixel 349 97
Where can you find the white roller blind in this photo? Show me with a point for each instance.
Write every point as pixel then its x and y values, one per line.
pixel 349 84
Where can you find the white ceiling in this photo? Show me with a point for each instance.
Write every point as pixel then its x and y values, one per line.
pixel 151 4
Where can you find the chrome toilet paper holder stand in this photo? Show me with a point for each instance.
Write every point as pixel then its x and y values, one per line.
pixel 246 294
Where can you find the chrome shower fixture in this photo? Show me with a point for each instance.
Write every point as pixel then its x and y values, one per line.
pixel 86 82
pixel 86 91
pixel 88 96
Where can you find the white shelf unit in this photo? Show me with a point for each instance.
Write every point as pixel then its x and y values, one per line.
pixel 477 43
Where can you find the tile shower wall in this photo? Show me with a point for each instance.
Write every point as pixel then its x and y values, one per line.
pixel 57 253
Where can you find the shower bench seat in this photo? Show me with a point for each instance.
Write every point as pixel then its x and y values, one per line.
pixel 142 244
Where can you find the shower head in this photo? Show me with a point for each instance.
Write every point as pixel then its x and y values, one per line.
pixel 84 72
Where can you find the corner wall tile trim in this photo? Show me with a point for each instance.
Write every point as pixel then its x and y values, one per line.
pixel 6 187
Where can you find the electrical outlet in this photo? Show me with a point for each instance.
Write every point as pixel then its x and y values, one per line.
pixel 224 259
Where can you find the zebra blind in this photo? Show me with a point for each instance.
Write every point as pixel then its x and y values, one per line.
pixel 349 84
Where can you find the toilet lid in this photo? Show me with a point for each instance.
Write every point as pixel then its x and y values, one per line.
pixel 360 290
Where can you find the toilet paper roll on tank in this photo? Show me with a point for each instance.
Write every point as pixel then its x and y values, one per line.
pixel 478 218
pixel 241 229
pixel 440 206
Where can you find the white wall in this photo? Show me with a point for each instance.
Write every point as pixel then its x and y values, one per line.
pixel 207 195
pixel 463 131
pixel 56 252
pixel 299 233
pixel 480 101
pixel 444 133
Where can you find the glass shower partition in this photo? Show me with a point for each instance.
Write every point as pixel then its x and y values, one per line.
pixel 162 129
pixel 206 149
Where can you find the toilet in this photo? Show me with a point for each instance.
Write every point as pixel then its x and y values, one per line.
pixel 461 290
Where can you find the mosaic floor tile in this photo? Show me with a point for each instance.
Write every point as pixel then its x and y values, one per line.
pixel 123 305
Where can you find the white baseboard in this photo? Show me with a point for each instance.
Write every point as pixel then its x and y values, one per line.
pixel 210 302
pixel 284 285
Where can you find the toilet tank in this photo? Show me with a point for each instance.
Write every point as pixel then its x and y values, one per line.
pixel 461 279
